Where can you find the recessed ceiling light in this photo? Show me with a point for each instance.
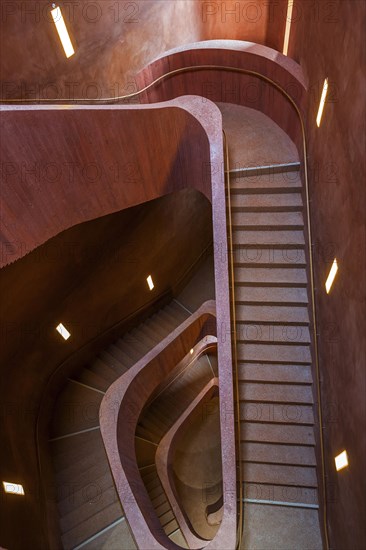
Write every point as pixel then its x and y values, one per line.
pixel 13 488
pixel 63 331
pixel 191 351
pixel 62 31
pixel 341 460
pixel 150 282
pixel 322 102
pixel 331 276
pixel 290 5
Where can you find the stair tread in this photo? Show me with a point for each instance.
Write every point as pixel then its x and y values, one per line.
pixel 266 182
pixel 280 474
pixel 278 454
pixel 267 238
pixel 272 314
pixel 275 220
pixel 281 493
pixel 257 275
pixel 268 294
pixel 277 433
pixel 283 413
pixel 274 393
pixel 283 334
pixel 272 372
pixel 281 353
pixel 260 201
pixel 89 378
pixel 269 257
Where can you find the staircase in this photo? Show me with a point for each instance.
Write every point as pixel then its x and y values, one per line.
pixel 89 508
pixel 158 418
pixel 274 358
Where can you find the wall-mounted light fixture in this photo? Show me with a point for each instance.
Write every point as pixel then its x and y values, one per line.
pixel 63 331
pixel 331 276
pixel 150 282
pixel 62 31
pixel 322 102
pixel 341 461
pixel 290 6
pixel 13 488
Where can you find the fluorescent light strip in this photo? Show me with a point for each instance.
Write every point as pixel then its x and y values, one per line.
pixel 150 282
pixel 331 276
pixel 290 5
pixel 322 102
pixel 13 488
pixel 341 460
pixel 63 331
pixel 62 32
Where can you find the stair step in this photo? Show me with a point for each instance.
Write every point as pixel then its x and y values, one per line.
pixel 278 454
pixel 277 202
pixel 153 324
pixel 94 499
pixel 103 370
pixel 86 376
pixel 277 433
pixel 71 449
pixel 270 276
pixel 279 474
pixel 170 527
pixel 271 295
pixel 280 353
pixel 276 393
pixel 280 493
pixel 271 372
pixel 141 334
pixel 113 363
pixel 282 334
pixel 275 412
pixel 129 350
pixel 121 356
pixel 294 315
pixel 177 311
pixel 267 220
pixel 147 434
pixel 264 183
pixel 252 256
pixel 82 471
pixel 266 238
pixel 91 526
pixel 76 409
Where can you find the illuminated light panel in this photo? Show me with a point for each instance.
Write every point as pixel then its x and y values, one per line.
pixel 331 276
pixel 13 488
pixel 341 461
pixel 62 32
pixel 150 282
pixel 191 351
pixel 322 102
pixel 63 331
pixel 290 5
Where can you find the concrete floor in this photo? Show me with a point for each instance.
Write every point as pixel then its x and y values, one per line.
pixel 254 139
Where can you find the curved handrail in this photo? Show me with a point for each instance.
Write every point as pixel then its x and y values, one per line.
pixel 127 397
pixel 164 458
pixel 240 527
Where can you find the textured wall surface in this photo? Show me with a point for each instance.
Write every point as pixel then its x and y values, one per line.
pixel 327 40
pixel 114 39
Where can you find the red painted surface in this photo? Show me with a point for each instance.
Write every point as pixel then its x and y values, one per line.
pixel 327 39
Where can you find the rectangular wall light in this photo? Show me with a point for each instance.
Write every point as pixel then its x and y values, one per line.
pixel 331 276
pixel 341 460
pixel 150 282
pixel 322 102
pixel 62 32
pixel 63 331
pixel 13 488
pixel 290 5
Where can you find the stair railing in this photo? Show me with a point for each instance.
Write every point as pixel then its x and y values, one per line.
pixel 214 67
pixel 240 526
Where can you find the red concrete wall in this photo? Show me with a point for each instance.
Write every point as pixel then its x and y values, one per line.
pixel 327 39
pixel 114 39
